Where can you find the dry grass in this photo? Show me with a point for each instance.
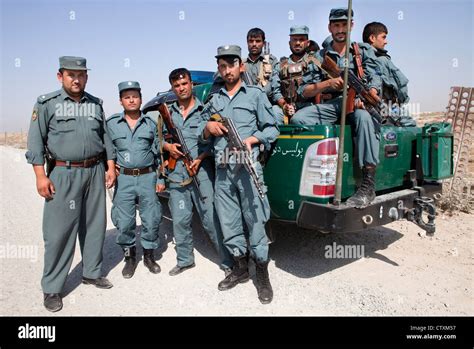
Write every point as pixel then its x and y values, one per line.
pixel 15 139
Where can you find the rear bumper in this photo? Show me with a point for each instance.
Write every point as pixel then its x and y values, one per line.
pixel 342 219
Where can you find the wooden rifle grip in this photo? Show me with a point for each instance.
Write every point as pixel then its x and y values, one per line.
pixel 171 163
pixel 350 103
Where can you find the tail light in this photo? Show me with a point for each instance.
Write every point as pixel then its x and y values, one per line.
pixel 318 177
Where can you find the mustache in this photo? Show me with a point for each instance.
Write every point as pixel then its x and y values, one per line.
pixel 341 33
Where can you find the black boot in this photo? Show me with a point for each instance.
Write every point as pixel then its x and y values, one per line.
pixel 239 274
pixel 130 254
pixel 264 288
pixel 366 192
pixel 149 261
pixel 53 302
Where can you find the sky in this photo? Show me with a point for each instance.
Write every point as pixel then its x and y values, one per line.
pixel 143 40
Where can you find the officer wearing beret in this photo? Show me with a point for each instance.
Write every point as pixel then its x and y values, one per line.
pixel 315 81
pixel 235 194
pixel 68 128
pixel 186 114
pixel 134 137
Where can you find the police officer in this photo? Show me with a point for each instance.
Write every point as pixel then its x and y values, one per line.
pixel 186 116
pixel 260 65
pixel 367 136
pixel 68 126
pixel 394 82
pixel 235 193
pixel 134 137
pixel 290 73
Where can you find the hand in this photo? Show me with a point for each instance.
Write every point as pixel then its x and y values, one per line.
pixel 216 128
pixel 195 164
pixel 160 188
pixel 358 104
pixel 45 187
pixel 251 141
pixel 110 178
pixel 336 83
pixel 289 109
pixel 373 92
pixel 117 170
pixel 173 150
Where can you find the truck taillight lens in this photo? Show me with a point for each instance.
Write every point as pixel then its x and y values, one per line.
pixel 318 177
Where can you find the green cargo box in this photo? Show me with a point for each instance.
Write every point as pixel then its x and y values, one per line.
pixel 435 147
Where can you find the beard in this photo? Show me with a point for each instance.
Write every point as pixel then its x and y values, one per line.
pixel 297 52
pixel 339 39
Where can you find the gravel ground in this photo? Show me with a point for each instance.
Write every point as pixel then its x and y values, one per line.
pixel 401 273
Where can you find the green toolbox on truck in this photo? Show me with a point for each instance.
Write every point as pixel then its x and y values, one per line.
pixel 301 173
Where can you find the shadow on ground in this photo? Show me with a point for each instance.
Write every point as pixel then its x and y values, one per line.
pixel 303 253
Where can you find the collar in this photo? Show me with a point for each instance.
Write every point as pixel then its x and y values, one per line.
pixel 122 117
pixel 259 58
pixel 381 52
pixel 243 87
pixel 198 106
pixel 64 96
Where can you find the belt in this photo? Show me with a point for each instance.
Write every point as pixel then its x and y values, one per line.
pixel 136 171
pixel 84 163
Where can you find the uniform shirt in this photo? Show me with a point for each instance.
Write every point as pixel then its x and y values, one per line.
pixel 251 112
pixel 253 68
pixel 72 131
pixel 394 82
pixel 190 128
pixel 369 64
pixel 137 148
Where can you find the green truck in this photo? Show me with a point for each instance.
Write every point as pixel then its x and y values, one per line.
pixel 301 172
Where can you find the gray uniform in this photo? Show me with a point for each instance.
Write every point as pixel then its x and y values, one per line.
pixel 235 194
pixel 394 88
pixel 254 69
pixel 136 149
pixel 72 131
pixel 184 198
pixel 366 135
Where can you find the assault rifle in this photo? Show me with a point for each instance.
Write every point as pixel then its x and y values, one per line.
pixel 234 142
pixel 177 137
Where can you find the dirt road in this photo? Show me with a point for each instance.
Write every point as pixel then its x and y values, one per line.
pixel 400 273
